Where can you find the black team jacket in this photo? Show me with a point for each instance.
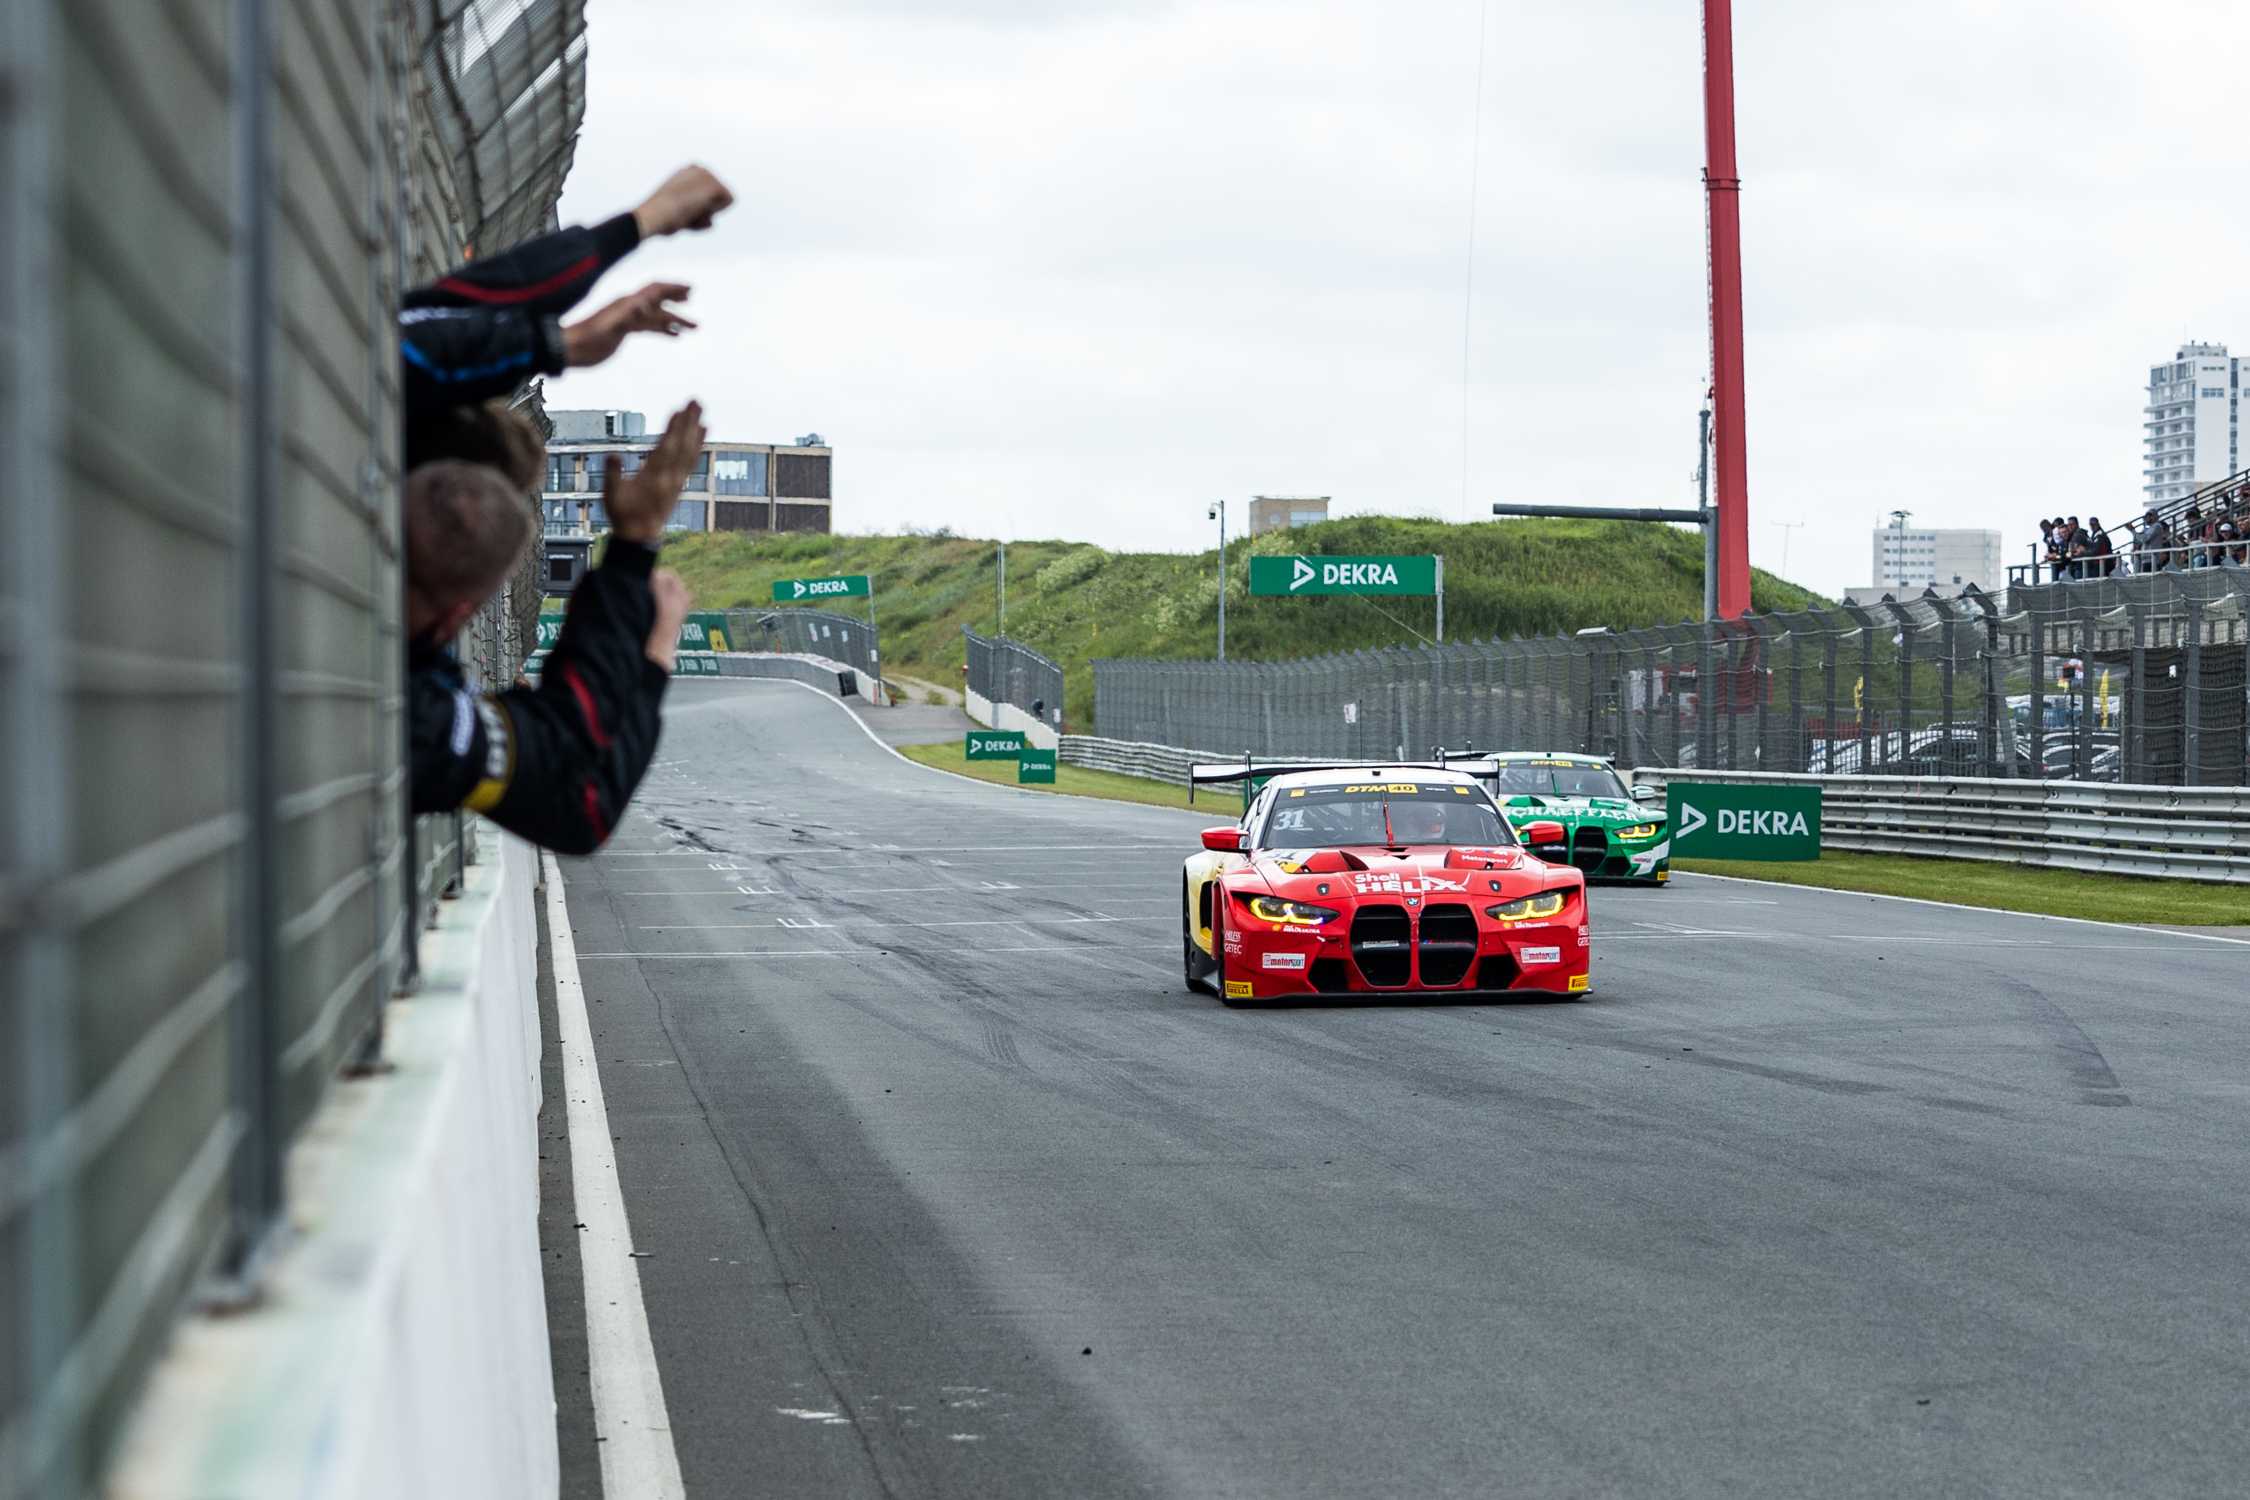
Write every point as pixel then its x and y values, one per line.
pixel 486 327
pixel 556 763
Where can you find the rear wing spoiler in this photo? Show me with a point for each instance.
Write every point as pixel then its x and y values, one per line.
pixel 1252 773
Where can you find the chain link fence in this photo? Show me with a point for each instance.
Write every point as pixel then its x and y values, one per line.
pixel 2139 680
pixel 1002 671
pixel 807 632
pixel 209 884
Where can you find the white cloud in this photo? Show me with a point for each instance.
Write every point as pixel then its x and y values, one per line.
pixel 1078 272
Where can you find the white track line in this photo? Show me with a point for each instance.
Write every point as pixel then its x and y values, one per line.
pixel 996 786
pixel 864 952
pixel 632 1428
pixel 1998 911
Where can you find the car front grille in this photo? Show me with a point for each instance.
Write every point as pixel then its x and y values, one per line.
pixel 1383 945
pixel 1448 944
pixel 1588 848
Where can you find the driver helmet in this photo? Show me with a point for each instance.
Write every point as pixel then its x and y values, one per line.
pixel 1418 822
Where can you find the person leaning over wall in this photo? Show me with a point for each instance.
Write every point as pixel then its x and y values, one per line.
pixel 488 325
pixel 557 763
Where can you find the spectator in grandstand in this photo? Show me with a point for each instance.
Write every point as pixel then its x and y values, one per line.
pixel 557 763
pixel 2101 552
pixel 2050 555
pixel 2231 548
pixel 2152 544
pixel 486 327
pixel 2066 547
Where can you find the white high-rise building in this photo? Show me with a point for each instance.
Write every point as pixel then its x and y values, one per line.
pixel 1909 560
pixel 2193 421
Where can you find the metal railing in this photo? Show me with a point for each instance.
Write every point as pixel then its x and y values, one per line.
pixel 2176 832
pixel 2139 680
pixel 1005 671
pixel 2171 832
pixel 807 632
pixel 2178 545
pixel 208 884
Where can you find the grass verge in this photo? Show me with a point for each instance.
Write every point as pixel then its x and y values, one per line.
pixel 951 756
pixel 2025 888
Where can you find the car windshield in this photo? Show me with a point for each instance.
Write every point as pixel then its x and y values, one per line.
pixel 1560 778
pixel 1382 813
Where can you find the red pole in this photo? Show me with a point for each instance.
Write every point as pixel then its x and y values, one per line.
pixel 1723 188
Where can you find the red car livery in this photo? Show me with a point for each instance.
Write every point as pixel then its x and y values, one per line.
pixel 1376 880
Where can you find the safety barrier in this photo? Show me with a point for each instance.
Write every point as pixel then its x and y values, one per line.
pixel 830 676
pixel 2190 833
pixel 1129 757
pixel 399 1346
pixel 2187 833
pixel 1011 686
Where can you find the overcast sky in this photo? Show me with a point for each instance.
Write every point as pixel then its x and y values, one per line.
pixel 1078 270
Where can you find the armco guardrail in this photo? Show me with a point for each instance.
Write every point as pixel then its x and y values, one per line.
pixel 2188 833
pixel 1129 757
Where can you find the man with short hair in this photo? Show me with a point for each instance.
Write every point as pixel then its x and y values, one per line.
pixel 2151 546
pixel 558 763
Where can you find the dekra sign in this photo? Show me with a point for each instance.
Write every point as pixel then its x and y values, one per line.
pixel 1762 824
pixel 1359 574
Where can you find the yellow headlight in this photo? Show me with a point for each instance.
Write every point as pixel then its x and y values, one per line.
pixel 1639 831
pixel 1288 913
pixel 1545 904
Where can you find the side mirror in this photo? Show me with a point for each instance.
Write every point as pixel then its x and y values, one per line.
pixel 1543 835
pixel 1647 791
pixel 1227 840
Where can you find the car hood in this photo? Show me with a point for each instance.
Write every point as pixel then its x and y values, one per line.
pixel 1530 807
pixel 1414 871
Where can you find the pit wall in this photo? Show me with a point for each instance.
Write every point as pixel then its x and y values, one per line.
pixel 398 1344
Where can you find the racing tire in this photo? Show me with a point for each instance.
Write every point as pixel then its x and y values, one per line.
pixel 1187 944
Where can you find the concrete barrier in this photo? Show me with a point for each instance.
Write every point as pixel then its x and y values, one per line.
pixel 399 1342
pixel 822 672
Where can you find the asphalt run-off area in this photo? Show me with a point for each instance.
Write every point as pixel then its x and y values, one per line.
pixel 940 1183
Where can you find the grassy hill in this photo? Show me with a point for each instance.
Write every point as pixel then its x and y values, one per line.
pixel 1076 602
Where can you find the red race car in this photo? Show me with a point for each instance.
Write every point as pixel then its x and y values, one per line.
pixel 1377 880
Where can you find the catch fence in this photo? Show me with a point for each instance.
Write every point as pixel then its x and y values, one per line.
pixel 2137 680
pixel 807 632
pixel 1005 671
pixel 209 882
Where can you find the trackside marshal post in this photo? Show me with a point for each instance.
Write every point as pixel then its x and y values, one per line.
pixel 1721 821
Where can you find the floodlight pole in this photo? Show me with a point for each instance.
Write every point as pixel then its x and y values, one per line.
pixel 1220 510
pixel 1703 505
pixel 1723 188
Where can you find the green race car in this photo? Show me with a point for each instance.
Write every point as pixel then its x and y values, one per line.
pixel 1606 832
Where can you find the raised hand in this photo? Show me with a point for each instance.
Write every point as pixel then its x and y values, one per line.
pixel 593 339
pixel 639 506
pixel 688 199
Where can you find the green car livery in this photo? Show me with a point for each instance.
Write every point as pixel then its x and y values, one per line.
pixel 1607 833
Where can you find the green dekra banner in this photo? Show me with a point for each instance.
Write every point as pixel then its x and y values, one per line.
pixel 1735 820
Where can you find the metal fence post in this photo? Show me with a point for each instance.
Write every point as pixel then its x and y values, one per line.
pixel 256 1191
pixel 2191 707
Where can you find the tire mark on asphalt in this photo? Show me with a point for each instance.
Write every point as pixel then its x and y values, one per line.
pixel 2069 1046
